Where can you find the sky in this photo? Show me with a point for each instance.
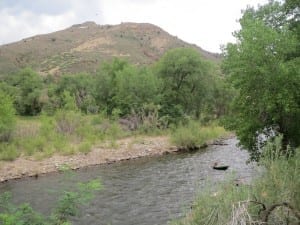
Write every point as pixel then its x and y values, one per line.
pixel 206 23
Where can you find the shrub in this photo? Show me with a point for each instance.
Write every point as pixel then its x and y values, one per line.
pixel 7 117
pixel 114 131
pixel 28 92
pixel 67 122
pixel 8 152
pixel 85 147
pixel 192 135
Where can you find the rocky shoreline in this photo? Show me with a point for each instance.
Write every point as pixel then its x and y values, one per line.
pixel 124 149
pixel 129 148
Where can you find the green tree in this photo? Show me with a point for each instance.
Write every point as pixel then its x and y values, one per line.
pixel 292 15
pixel 28 89
pixel 219 104
pixel 135 88
pixel 79 86
pixel 266 77
pixel 106 83
pixel 186 79
pixel 7 116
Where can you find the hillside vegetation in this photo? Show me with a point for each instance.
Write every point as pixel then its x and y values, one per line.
pixel 82 47
pixel 90 83
pixel 73 112
pixel 263 67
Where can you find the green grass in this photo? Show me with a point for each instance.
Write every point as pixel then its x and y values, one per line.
pixel 194 135
pixel 85 147
pixel 68 133
pixel 8 152
pixel 278 184
pixel 65 133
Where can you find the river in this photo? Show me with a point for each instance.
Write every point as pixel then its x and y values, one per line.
pixel 145 191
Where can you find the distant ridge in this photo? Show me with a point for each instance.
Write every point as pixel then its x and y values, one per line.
pixel 82 47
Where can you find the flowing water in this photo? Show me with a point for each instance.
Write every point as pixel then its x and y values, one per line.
pixel 145 191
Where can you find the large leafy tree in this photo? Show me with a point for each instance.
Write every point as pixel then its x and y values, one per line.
pixel 106 83
pixel 186 82
pixel 126 88
pixel 80 86
pixel 27 86
pixel 264 67
pixel 135 88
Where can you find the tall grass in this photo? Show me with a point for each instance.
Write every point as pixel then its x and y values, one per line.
pixel 193 135
pixel 65 133
pixel 229 204
pixel 69 132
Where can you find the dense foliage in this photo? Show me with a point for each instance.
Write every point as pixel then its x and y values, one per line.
pixel 70 113
pixel 264 67
pixel 26 88
pixel 126 88
pixel 187 82
pixel 180 84
pixel 7 117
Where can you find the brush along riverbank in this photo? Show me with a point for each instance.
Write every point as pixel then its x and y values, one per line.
pixel 123 149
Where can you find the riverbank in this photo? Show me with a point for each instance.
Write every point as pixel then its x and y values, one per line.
pixel 106 153
pixel 272 198
pixel 148 190
pixel 123 149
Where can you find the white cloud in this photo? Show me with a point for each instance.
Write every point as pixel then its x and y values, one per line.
pixel 21 21
pixel 28 24
pixel 207 23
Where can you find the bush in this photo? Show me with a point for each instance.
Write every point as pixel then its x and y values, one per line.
pixel 8 152
pixel 114 131
pixel 7 117
pixel 85 147
pixel 28 92
pixel 67 122
pixel 193 136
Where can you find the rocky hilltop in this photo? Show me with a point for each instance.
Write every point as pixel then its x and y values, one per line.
pixel 82 47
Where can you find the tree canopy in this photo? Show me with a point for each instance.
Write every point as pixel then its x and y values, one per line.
pixel 264 66
pixel 180 85
pixel 187 82
pixel 27 90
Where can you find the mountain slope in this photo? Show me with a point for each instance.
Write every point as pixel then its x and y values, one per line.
pixel 83 47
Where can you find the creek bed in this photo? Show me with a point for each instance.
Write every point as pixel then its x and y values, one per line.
pixel 145 191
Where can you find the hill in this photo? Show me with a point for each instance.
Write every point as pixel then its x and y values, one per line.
pixel 82 47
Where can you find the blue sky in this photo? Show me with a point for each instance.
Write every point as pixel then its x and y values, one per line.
pixel 207 23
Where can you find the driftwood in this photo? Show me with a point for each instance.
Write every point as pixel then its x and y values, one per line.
pixel 241 215
pixel 268 211
pixel 265 212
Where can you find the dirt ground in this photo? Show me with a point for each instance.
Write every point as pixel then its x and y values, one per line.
pixel 124 149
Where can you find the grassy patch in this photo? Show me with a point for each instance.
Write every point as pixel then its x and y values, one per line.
pixel 65 133
pixel 69 132
pixel 194 135
pixel 85 147
pixel 8 152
